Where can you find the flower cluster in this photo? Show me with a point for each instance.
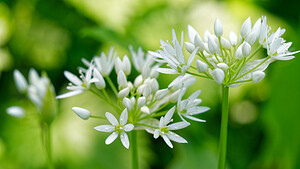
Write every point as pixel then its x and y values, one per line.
pixel 39 91
pixel 227 61
pixel 138 103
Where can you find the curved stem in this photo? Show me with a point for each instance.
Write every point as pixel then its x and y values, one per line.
pixel 46 138
pixel 224 125
pixel 134 150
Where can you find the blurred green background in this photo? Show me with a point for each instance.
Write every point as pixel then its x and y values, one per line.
pixel 53 35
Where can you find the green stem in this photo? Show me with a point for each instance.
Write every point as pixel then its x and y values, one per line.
pixel 46 138
pixel 224 125
pixel 195 74
pixel 105 100
pixel 111 84
pixel 134 150
pixel 254 53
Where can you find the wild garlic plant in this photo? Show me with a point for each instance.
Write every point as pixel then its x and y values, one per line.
pixel 228 62
pixel 138 105
pixel 41 94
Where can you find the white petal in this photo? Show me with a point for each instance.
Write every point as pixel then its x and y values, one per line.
pixel 123 93
pixel 124 140
pixel 218 28
pixel 20 81
pixel 193 118
pixel 191 33
pixel 156 133
pixel 100 84
pixel 169 116
pixel 197 110
pixel 111 138
pixel 124 117
pixel 33 76
pixel 167 71
pixel 258 76
pixel 69 94
pixel 105 128
pixel 128 127
pixel 111 118
pixel 122 81
pixel 178 125
pixel 218 75
pixel 145 109
pixel 175 137
pixel 16 111
pixel 72 78
pixel 167 141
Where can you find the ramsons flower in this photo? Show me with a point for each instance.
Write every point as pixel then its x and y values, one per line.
pixel 117 128
pixel 165 130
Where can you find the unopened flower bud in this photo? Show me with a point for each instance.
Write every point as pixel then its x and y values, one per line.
pixel 201 66
pixel 225 43
pixel 258 76
pixel 127 103
pixel 122 81
pixel 16 111
pixel 126 65
pixel 218 75
pixel 212 46
pixel 257 28
pixel 246 27
pixel 145 109
pixel 82 113
pixel 251 38
pixel 161 93
pixel 189 47
pixel 218 28
pixel 141 101
pixel 100 83
pixel 174 96
pixel 20 81
pixel 118 65
pixel 123 93
pixel 198 42
pixel 223 66
pixel 246 49
pixel 138 81
pixel 147 91
pixel 154 85
pixel 146 71
pixel 233 39
pixel 239 53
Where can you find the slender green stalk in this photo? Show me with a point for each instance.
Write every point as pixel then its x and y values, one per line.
pixel 46 138
pixel 111 84
pixel 224 125
pixel 134 150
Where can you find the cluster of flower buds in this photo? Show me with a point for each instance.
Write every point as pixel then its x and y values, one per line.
pixel 39 91
pixel 137 103
pixel 227 62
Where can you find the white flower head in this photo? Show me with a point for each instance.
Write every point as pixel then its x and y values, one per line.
pixel 165 130
pixel 117 128
pixel 82 113
pixel 16 111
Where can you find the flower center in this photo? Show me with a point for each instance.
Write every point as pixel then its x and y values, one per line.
pixel 119 128
pixel 164 129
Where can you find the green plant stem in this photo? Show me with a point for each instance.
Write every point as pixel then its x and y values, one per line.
pixel 46 138
pixel 111 84
pixel 134 150
pixel 224 125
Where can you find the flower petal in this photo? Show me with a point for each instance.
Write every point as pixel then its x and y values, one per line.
pixel 111 118
pixel 105 128
pixel 194 118
pixel 111 138
pixel 72 78
pixel 175 137
pixel 169 116
pixel 156 133
pixel 178 125
pixel 69 94
pixel 124 117
pixel 124 140
pixel 197 110
pixel 128 127
pixel 167 140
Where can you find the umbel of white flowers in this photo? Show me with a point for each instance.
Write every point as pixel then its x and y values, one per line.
pixel 229 62
pixel 138 104
pixel 39 91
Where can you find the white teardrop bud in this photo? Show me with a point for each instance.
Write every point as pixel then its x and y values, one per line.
pixel 246 27
pixel 233 39
pixel 82 113
pixel 201 66
pixel 20 81
pixel 258 76
pixel 218 75
pixel 246 49
pixel 16 111
pixel 218 28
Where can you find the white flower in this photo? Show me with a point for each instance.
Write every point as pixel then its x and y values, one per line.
pixel 173 56
pixel 16 111
pixel 246 27
pixel 201 66
pixel 20 81
pixel 164 129
pixel 78 85
pixel 141 61
pixel 218 75
pixel 105 64
pixel 117 128
pixel 82 113
pixel 218 28
pixel 189 107
pixel 258 76
pixel 195 38
pixel 123 65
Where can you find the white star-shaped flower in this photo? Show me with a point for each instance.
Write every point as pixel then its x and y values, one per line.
pixel 164 129
pixel 117 128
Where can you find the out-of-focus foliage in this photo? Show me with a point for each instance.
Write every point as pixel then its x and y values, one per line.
pixel 54 35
